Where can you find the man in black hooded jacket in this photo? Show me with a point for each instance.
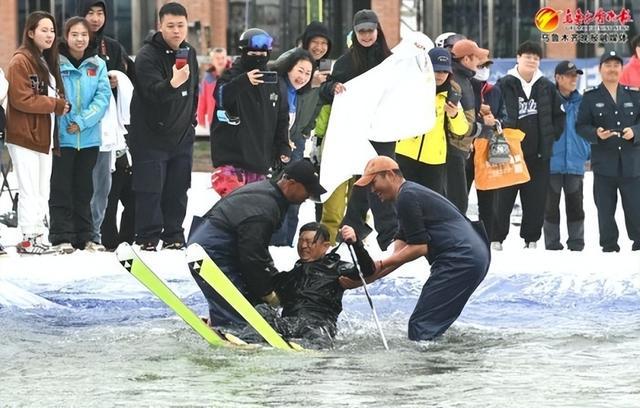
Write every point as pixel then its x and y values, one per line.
pixel 249 132
pixel 163 118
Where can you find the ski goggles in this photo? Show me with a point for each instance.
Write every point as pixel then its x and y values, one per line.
pixel 260 42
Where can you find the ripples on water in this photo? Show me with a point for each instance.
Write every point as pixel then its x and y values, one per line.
pixel 511 347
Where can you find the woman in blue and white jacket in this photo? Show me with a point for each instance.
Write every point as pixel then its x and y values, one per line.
pixel 87 90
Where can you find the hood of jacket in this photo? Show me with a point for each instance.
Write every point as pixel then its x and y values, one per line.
pixel 526 86
pixel 316 29
pixel 85 5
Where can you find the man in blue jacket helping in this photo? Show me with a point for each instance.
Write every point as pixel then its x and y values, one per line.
pixel 429 225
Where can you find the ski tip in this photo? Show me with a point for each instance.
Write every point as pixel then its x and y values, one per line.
pixel 124 252
pixel 195 253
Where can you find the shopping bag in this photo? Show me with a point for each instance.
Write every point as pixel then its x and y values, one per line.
pixel 492 176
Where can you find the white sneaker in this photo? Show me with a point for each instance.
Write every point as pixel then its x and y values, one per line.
pixel 530 245
pixel 33 245
pixel 94 247
pixel 63 248
pixel 496 246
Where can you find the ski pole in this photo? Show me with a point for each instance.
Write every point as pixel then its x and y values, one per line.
pixel 366 292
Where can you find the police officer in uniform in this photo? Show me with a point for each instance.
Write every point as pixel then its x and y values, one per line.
pixel 609 118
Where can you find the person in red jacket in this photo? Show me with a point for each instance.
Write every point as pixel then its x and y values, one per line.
pixel 631 71
pixel 206 102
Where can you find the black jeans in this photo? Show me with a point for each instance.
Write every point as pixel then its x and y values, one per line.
pixel 573 197
pixel 533 195
pixel 605 193
pixel 456 190
pixel 385 217
pixel 432 176
pixel 121 192
pixel 161 180
pixel 70 197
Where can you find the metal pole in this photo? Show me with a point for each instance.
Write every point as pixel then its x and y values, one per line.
pixel 366 292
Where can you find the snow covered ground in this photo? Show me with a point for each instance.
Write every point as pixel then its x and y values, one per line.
pixel 550 275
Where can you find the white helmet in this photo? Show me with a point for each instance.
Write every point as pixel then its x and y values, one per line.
pixel 439 42
pixel 446 40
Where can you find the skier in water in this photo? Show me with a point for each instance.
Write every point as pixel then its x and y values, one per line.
pixel 310 294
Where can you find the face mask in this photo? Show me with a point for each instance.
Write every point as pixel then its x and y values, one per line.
pixel 482 74
pixel 251 62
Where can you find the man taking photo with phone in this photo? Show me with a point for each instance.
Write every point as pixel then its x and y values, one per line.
pixel 249 132
pixel 163 119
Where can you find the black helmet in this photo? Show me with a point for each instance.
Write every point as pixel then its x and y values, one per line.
pixel 255 39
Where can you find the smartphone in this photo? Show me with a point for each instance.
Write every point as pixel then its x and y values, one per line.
pixel 181 57
pixel 324 65
pixel 453 96
pixel 269 77
pixel 617 132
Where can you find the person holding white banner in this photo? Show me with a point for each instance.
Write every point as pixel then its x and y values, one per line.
pixel 369 49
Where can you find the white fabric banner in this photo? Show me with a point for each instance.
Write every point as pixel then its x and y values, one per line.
pixel 393 101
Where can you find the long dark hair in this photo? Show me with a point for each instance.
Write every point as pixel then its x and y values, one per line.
pixel 50 55
pixel 290 61
pixel 359 53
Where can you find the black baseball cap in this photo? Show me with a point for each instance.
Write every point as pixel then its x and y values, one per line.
pixel 304 172
pixel 365 20
pixel 440 59
pixel 564 67
pixel 610 55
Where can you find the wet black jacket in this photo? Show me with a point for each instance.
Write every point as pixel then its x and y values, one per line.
pixel 311 290
pixel 251 214
pixel 344 69
pixel 161 115
pixel 262 135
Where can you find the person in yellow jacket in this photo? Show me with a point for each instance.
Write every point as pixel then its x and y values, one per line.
pixel 422 158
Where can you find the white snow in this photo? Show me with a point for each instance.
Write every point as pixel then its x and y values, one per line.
pixel 532 273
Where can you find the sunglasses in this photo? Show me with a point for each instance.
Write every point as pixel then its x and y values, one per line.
pixel 260 42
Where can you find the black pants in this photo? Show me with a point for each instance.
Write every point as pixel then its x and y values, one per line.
pixel 532 196
pixel 121 192
pixel 573 197
pixel 486 200
pixel 452 280
pixel 160 181
pixel 605 193
pixel 456 190
pixel 384 213
pixel 432 176
pixel 70 197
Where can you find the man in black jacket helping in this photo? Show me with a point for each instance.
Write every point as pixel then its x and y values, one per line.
pixel 163 112
pixel 236 232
